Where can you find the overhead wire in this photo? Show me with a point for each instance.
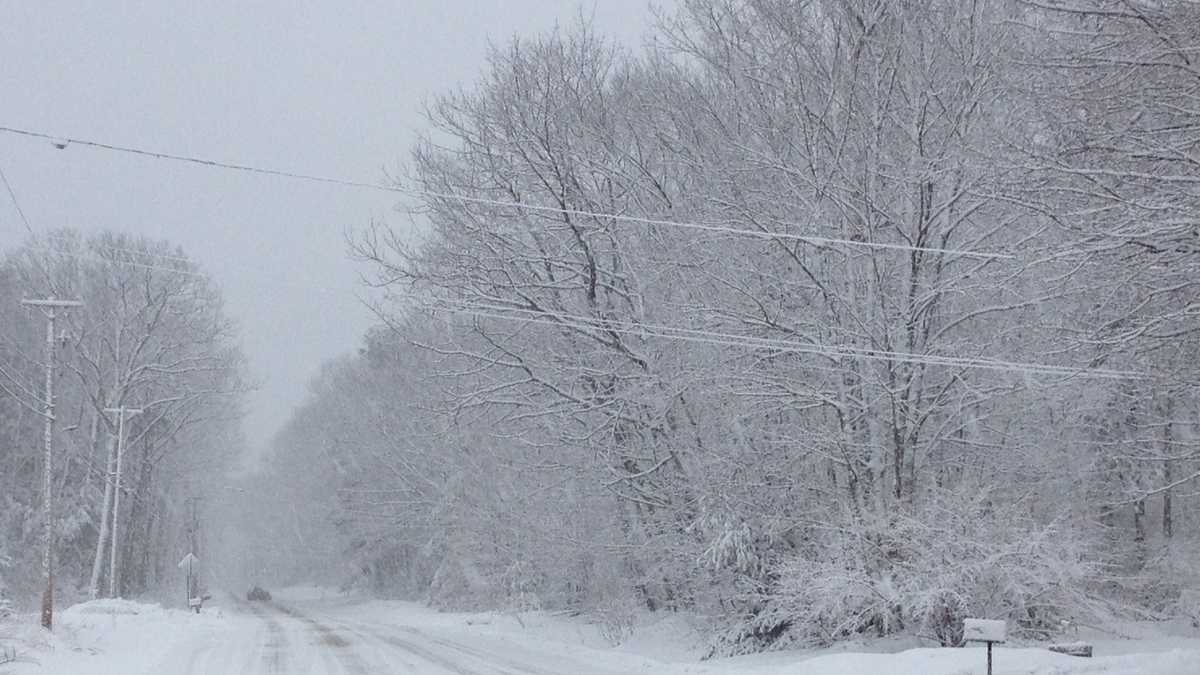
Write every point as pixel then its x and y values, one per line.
pixel 16 203
pixel 730 339
pixel 644 330
pixel 63 141
pixel 680 333
pixel 754 343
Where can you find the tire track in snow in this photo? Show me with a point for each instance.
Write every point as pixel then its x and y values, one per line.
pixel 479 653
pixel 408 649
pixel 275 646
pixel 423 653
pixel 496 662
pixel 334 649
pixel 448 655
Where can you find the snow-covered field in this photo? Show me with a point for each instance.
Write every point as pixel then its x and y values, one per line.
pixel 314 631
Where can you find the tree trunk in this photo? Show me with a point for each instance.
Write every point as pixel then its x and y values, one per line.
pixel 139 539
pixel 1168 524
pixel 1139 529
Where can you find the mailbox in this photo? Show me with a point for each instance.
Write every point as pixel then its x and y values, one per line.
pixel 984 630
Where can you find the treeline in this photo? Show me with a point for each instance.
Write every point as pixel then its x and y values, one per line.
pixel 817 319
pixel 151 335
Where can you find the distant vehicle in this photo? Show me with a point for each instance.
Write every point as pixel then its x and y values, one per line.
pixel 258 594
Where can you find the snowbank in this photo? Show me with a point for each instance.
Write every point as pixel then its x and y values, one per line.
pixel 108 606
pixel 127 636
pixel 968 661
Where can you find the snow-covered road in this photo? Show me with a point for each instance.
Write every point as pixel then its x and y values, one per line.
pixel 263 638
pixel 254 639
pixel 296 635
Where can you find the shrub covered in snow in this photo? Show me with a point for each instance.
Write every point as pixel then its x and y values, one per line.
pixel 919 574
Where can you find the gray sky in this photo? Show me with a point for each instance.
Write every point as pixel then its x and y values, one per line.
pixel 329 88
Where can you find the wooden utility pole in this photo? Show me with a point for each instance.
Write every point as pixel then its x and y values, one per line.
pixel 112 568
pixel 49 307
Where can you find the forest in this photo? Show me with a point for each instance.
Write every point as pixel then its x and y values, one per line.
pixel 151 335
pixel 812 319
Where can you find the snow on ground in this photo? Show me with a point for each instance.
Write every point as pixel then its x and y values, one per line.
pixel 108 636
pixel 313 630
pixel 671 645
pixel 962 662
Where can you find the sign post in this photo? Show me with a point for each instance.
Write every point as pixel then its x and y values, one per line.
pixel 186 563
pixel 983 630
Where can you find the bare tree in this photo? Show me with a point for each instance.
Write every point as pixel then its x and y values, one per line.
pixel 152 334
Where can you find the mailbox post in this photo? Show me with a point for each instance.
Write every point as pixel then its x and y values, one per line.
pixel 984 630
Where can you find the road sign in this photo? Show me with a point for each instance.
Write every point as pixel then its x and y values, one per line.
pixel 188 561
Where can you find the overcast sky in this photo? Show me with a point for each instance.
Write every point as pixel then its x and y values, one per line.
pixel 330 88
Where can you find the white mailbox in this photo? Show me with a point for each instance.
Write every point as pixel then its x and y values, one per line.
pixel 984 630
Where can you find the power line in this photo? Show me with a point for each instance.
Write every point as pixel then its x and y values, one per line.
pixel 692 335
pixel 728 339
pixel 681 333
pixel 686 334
pixel 706 227
pixel 62 142
pixel 17 204
pixel 643 330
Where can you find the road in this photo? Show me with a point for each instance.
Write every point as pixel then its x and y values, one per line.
pixel 269 638
pixel 313 632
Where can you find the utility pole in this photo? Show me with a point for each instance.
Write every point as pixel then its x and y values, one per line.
pixel 112 567
pixel 49 306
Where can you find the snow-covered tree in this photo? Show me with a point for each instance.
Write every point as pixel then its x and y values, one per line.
pixel 151 334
